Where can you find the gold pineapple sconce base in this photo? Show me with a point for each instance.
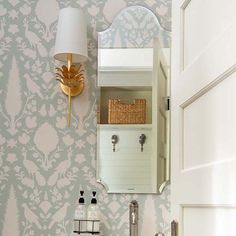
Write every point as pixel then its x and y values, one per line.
pixel 71 78
pixel 74 91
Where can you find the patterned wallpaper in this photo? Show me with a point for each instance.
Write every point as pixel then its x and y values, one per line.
pixel 44 164
pixel 134 27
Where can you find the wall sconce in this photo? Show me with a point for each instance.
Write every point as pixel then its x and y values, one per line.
pixel 71 47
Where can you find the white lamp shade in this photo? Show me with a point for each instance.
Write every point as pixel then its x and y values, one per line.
pixel 71 36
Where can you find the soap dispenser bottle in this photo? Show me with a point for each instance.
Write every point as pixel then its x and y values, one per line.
pixel 93 216
pixel 80 215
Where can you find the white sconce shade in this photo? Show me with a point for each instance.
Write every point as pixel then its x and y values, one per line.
pixel 71 35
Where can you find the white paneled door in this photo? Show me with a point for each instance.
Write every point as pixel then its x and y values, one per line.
pixel 203 118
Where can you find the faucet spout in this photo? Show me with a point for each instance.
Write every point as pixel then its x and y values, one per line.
pixel 133 218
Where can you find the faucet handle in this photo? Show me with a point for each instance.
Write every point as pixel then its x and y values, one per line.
pixel 159 234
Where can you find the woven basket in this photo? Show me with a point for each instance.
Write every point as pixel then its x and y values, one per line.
pixel 127 113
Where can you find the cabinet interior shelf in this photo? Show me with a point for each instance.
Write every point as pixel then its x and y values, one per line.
pixel 124 126
pixel 126 94
pixel 127 88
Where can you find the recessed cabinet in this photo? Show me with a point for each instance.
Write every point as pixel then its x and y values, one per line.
pixel 127 165
pixel 132 114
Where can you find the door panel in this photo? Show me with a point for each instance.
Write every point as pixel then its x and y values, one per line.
pixel 210 137
pixel 209 221
pixel 203 150
pixel 199 30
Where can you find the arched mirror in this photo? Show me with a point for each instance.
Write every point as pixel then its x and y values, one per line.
pixel 133 105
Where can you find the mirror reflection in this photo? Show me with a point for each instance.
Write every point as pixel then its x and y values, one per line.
pixel 133 115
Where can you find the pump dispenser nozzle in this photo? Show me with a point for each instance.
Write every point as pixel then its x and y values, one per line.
pixel 81 199
pixel 94 200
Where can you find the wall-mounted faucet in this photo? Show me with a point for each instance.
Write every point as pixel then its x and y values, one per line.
pixel 133 218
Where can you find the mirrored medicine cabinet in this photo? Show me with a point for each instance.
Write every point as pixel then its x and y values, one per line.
pixel 133 76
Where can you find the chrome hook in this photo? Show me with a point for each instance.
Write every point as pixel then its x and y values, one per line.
pixel 114 141
pixel 142 139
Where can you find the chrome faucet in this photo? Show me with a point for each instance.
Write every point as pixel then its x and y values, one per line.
pixel 133 218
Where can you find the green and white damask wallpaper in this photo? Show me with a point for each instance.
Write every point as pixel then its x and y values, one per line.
pixel 43 163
